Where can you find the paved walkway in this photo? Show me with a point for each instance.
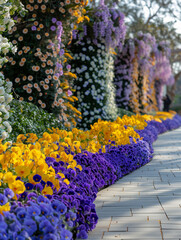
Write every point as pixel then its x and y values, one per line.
pixel 146 204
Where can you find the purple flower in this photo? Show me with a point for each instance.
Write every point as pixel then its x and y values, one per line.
pixel 54 20
pixel 53 28
pixel 33 28
pixel 24 195
pixel 50 236
pixel 68 67
pixel 66 234
pixel 30 226
pixel 58 23
pixel 37 178
pixel 21 214
pixel 82 234
pixel 8 193
pixel 61 52
pixel 69 93
pixel 29 186
pixel 34 210
pixel 45 210
pixel 3 199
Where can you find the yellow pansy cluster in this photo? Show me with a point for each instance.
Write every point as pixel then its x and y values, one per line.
pixel 25 160
pixel 102 133
pixel 27 156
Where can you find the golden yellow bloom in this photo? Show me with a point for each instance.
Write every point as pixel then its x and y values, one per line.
pixel 17 186
pixel 9 177
pixel 22 171
pixel 47 191
pixel 66 181
pixel 5 208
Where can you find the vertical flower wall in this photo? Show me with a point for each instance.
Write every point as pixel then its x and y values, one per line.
pixel 162 72
pixel 123 74
pixel 140 75
pixel 7 9
pixel 40 71
pixel 93 51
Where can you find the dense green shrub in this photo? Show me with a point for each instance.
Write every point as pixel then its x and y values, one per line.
pixel 27 117
pixel 122 112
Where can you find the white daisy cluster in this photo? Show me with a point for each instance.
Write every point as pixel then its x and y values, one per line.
pixel 5 99
pixel 7 9
pixel 94 67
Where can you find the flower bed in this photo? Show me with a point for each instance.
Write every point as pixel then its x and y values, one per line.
pixel 48 185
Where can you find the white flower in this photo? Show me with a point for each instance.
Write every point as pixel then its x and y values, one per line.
pixel 4 135
pixel 9 84
pixel 8 98
pixel 2 99
pixel 5 51
pixel 14 49
pixel 2 91
pixel 2 28
pixel 11 23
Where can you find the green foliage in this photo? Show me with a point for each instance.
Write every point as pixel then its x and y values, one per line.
pixel 122 112
pixel 28 118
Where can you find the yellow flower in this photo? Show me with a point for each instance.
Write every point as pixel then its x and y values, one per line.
pixel 87 18
pixel 47 191
pixel 66 181
pixel 17 186
pixel 79 167
pixel 5 208
pixel 22 171
pixel 9 177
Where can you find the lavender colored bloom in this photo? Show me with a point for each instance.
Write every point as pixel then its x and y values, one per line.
pixel 54 20
pixel 53 28
pixel 59 23
pixel 69 93
pixel 61 52
pixel 33 28
pixel 8 193
pixel 3 199
pixel 68 67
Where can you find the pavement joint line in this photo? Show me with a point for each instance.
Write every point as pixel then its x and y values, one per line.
pixel 161 229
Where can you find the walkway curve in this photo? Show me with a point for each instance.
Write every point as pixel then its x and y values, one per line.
pixel 146 204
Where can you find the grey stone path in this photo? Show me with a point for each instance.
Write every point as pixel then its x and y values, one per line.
pixel 146 204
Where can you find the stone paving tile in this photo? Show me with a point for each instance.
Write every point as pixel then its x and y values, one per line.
pixel 172 233
pixel 118 224
pixel 139 233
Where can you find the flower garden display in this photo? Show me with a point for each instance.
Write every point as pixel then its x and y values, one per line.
pixel 93 64
pixel 40 71
pixel 50 176
pixel 7 9
pixel 49 186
